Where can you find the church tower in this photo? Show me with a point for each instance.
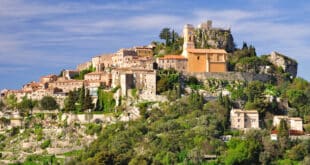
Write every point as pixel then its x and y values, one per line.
pixel 188 34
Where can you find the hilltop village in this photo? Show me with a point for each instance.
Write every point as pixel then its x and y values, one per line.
pixel 205 62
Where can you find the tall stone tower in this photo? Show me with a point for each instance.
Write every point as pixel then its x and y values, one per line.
pixel 188 34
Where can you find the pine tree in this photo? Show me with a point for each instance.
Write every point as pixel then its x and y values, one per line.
pixel 70 102
pixel 82 96
pixel 87 101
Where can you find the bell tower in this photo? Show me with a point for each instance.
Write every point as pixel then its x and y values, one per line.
pixel 188 34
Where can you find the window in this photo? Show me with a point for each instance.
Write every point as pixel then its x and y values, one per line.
pixel 197 57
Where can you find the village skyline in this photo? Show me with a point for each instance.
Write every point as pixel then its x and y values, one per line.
pixel 42 38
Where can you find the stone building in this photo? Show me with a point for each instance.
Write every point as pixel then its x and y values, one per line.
pixel 177 62
pixel 32 86
pixel 122 56
pixel 67 85
pixel 143 51
pixel 69 74
pixel 244 119
pixel 84 66
pixel 294 123
pixel 144 81
pixel 103 77
pixel 102 62
pixel 48 78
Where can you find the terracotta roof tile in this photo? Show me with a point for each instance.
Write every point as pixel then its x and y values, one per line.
pixel 174 57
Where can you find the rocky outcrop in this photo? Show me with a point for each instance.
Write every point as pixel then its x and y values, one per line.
pixel 214 38
pixel 287 64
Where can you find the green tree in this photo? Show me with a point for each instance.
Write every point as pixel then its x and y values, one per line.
pixel 70 102
pixel 283 136
pixel 26 104
pixel 254 90
pixel 1 105
pixel 88 104
pixel 165 34
pixel 48 103
pixel 81 100
pixel 11 101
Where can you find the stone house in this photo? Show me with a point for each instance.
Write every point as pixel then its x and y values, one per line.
pixel 67 85
pixel 143 51
pixel 69 74
pixel 48 78
pixel 83 66
pixel 102 62
pixel 244 119
pixel 177 62
pixel 32 86
pixel 122 56
pixel 144 81
pixel 294 123
pixel 103 77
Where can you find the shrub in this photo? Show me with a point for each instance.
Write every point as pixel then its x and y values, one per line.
pixel 46 144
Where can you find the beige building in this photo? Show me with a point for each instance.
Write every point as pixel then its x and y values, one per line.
pixel 67 85
pixel 102 62
pixel 294 123
pixel 69 74
pixel 144 81
pixel 144 51
pixel 177 62
pixel 48 78
pixel 32 86
pixel 244 119
pixel 103 77
pixel 122 56
pixel 84 66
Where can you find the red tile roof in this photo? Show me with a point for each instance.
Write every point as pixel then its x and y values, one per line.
pixel 172 57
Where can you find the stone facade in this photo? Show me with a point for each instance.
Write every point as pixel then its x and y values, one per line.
pixel 144 81
pixel 69 74
pixel 244 119
pixel 123 56
pixel 103 77
pixel 188 35
pixel 294 123
pixel 48 79
pixel 177 62
pixel 232 76
pixel 67 85
pixel 287 64
pixel 144 51
pixel 102 62
pixel 84 66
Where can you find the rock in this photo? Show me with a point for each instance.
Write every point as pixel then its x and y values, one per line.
pixel 287 64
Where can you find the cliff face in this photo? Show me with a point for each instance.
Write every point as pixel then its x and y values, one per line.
pixel 214 38
pixel 287 64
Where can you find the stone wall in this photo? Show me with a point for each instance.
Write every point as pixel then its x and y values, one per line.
pixel 232 76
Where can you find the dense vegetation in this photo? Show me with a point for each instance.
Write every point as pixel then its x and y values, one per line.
pixel 186 132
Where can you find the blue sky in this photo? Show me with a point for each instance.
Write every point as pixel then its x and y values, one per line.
pixel 42 37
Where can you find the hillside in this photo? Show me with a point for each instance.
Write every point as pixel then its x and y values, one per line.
pixel 192 99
